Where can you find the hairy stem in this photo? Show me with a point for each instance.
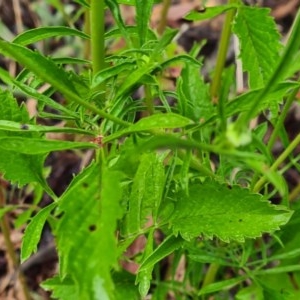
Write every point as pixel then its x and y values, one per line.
pixel 221 59
pixel 97 34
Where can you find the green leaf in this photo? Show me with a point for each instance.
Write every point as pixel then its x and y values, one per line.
pixel 115 10
pixel 168 246
pixel 133 2
pixel 45 68
pixel 37 34
pixel 62 288
pixel 33 231
pixel 21 127
pixel 111 71
pixel 143 12
pixel 157 121
pixel 32 146
pixel 131 30
pixel 10 110
pixel 4 75
pixel 133 79
pixel 17 167
pixel 146 193
pixel 86 232
pixel 259 43
pixel 209 12
pixel 164 41
pixel 194 100
pixel 22 168
pixel 143 278
pixel 229 213
pixel 275 96
pixel 221 285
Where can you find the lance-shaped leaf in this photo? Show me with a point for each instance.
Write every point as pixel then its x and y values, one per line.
pixel 259 42
pixel 33 232
pixel 143 11
pixel 194 99
pixel 37 34
pixel 227 212
pixel 41 66
pixel 157 121
pixel 146 192
pixel 39 146
pixel 21 127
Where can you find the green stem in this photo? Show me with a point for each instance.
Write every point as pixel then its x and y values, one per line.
pixel 210 275
pixel 221 59
pixel 295 193
pixel 149 100
pixel 97 34
pixel 278 126
pixel 280 121
pixel 163 17
pixel 278 162
pixel 87 30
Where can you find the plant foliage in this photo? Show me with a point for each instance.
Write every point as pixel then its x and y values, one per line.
pixel 180 171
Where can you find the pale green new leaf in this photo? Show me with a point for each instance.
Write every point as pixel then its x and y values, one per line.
pixel 33 231
pixel 86 231
pixel 229 213
pixel 157 121
pixel 37 34
pixel 259 43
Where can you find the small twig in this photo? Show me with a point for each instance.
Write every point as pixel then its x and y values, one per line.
pixel 163 17
pixel 4 224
